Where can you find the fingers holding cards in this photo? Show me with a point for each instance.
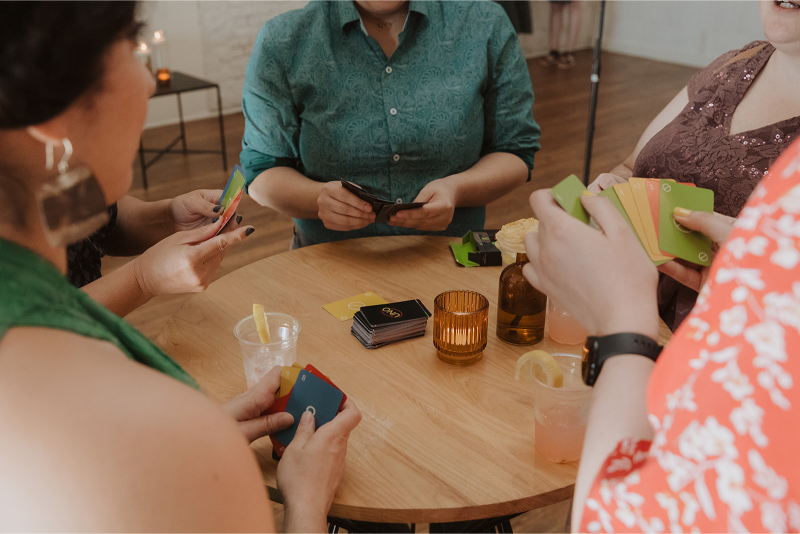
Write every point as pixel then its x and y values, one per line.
pixel 647 206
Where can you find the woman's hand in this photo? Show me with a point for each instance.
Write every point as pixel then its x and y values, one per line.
pixel 193 210
pixel 311 468
pixel 602 277
pixel 716 226
pixel 604 181
pixel 249 407
pixel 186 261
pixel 341 210
pixel 436 214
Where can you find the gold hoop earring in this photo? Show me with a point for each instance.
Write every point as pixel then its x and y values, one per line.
pixel 71 205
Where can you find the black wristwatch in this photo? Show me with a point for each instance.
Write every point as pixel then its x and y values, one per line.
pixel 598 349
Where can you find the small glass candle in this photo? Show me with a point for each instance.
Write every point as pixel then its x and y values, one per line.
pixel 460 326
pixel 161 58
pixel 143 53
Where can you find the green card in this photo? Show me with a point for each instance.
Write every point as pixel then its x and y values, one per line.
pixel 568 193
pixel 673 238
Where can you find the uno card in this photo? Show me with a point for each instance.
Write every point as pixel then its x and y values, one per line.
pixel 615 195
pixel 673 238
pixel 652 186
pixel 345 309
pixel 310 394
pixel 231 195
pixel 313 370
pixel 639 193
pixel 288 378
pixel 568 194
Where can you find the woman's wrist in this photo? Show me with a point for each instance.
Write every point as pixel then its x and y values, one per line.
pixel 300 518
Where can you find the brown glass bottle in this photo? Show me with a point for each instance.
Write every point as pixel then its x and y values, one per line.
pixel 521 308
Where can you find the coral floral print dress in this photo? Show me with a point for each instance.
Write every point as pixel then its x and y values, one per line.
pixel 722 398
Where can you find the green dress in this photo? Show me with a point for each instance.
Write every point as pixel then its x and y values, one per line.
pixel 34 293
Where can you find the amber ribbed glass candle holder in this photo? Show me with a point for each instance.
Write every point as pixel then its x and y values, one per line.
pixel 460 326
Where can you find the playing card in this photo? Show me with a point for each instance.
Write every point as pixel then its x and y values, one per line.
pixel 231 195
pixel 288 378
pixel 675 239
pixel 568 194
pixel 383 208
pixel 639 194
pixel 313 370
pixel 345 308
pixel 310 394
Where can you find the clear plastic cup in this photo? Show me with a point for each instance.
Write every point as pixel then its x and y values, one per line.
pixel 563 327
pixel 562 413
pixel 259 358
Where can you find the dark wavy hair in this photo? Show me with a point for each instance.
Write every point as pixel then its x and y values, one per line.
pixel 51 53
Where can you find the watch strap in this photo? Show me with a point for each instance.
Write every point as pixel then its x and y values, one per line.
pixel 599 349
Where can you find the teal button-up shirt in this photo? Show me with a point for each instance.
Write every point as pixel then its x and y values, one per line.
pixel 321 95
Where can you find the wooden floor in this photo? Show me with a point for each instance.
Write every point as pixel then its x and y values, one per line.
pixel 632 92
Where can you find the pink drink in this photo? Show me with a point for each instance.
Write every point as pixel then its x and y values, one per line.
pixel 564 328
pixel 559 437
pixel 562 413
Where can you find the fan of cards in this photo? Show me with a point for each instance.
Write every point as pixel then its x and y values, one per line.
pixel 304 390
pixel 379 325
pixel 647 204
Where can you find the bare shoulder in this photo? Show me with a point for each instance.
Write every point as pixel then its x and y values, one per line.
pixel 90 440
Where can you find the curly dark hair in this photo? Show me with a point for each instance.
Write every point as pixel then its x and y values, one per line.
pixel 52 52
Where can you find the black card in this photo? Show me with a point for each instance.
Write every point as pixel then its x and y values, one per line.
pixel 383 208
pixel 394 312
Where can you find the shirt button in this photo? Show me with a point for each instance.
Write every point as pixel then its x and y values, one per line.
pixel 393 111
pixel 388 70
pixel 399 201
pixel 396 157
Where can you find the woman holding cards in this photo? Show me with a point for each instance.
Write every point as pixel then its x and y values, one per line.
pixel 177 248
pixel 415 101
pixel 101 429
pixel 705 438
pixel 725 129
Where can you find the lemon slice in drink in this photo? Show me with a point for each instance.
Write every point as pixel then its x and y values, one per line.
pixel 261 323
pixel 539 364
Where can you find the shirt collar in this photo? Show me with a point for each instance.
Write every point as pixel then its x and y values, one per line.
pixel 348 12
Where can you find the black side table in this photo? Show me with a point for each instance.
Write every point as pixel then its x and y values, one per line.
pixel 183 83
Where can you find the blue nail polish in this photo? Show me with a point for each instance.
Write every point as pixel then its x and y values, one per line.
pixel 216 209
pixel 215 220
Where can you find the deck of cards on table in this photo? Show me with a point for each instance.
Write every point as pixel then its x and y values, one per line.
pixel 647 204
pixel 376 326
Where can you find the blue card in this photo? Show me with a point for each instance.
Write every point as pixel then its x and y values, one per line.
pixel 310 394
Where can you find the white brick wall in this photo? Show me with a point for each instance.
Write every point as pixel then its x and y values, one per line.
pixel 228 31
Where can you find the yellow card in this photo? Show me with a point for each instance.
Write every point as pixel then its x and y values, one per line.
pixel 345 309
pixel 639 194
pixel 626 199
pixel 288 378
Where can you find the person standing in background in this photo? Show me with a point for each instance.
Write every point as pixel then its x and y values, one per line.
pixel 559 10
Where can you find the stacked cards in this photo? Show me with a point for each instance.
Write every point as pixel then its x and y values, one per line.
pixel 376 326
pixel 304 390
pixel 383 208
pixel 647 204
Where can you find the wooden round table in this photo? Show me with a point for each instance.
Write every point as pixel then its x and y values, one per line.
pixel 437 443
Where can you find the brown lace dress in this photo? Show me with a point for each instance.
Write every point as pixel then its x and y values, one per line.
pixel 696 148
